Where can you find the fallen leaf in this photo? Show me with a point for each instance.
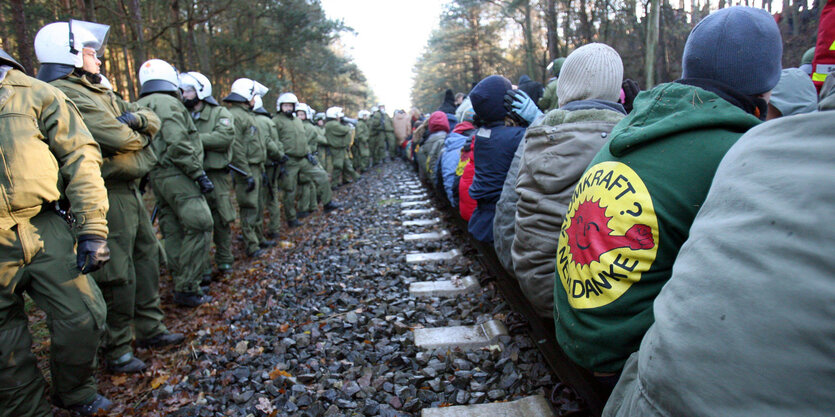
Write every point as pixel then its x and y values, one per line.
pixel 284 327
pixel 118 379
pixel 156 382
pixel 275 373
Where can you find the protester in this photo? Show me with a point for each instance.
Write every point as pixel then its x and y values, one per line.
pixel 794 94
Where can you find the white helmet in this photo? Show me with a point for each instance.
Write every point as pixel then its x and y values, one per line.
pixel 374 109
pixel 334 113
pixel 156 75
pixel 363 114
pixel 59 46
pixel 287 98
pixel 304 108
pixel 260 89
pixel 243 91
pixel 258 107
pixel 200 84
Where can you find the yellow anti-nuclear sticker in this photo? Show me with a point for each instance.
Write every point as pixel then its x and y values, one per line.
pixel 609 236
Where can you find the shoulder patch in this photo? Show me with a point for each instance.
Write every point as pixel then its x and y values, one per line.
pixel 609 237
pixel 485 133
pixel 225 121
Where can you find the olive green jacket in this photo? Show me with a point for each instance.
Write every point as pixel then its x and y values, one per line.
pixel 217 135
pixel 549 99
pixel 315 136
pixel 269 135
pixel 126 153
pixel 177 144
pixel 338 134
pixel 292 135
pixel 47 154
pixel 362 133
pixel 248 146
pixel 378 127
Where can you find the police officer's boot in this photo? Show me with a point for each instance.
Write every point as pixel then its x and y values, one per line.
pixel 190 299
pixel 126 364
pixel 160 340
pixel 293 223
pixel 331 206
pixel 99 405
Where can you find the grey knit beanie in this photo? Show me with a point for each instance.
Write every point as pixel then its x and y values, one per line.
pixel 738 46
pixel 593 71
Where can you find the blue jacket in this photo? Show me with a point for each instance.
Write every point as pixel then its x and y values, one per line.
pixel 495 145
pixel 449 162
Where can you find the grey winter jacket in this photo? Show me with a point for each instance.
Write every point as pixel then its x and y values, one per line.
pixel 744 326
pixel 557 152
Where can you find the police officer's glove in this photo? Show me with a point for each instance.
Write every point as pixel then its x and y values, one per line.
pixel 92 253
pixel 264 178
pixel 250 184
pixel 205 184
pixel 521 107
pixel 133 120
pixel 283 160
pixel 312 159
pixel 630 91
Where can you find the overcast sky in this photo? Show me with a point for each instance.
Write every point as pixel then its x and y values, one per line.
pixel 390 36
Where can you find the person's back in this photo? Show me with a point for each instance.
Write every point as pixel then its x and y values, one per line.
pixel 632 209
pixel 557 152
pixel 744 325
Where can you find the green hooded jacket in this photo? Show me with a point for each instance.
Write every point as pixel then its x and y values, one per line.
pixel 249 148
pixel 217 134
pixel 177 144
pixel 338 134
pixel 630 213
pixel 315 136
pixel 362 132
pixel 269 135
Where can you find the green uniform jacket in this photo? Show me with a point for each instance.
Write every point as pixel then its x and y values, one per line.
pixel 315 136
pixel 362 132
pixel 292 135
pixel 177 144
pixel 377 127
pixel 217 134
pixel 629 215
pixel 47 154
pixel 269 135
pixel 338 134
pixel 248 146
pixel 126 153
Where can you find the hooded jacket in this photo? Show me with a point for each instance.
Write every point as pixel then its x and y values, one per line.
pixel 795 93
pixel 448 106
pixel 629 215
pixel 533 89
pixel 216 128
pixel 747 313
pixel 177 143
pixel 451 156
pixel 427 154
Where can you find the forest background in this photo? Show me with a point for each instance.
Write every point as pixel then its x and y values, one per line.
pixel 291 45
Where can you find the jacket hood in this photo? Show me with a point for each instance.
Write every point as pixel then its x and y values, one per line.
pixel 532 88
pixel 438 122
pixel 448 106
pixel 462 127
pixel 488 98
pixel 795 93
pixel 674 108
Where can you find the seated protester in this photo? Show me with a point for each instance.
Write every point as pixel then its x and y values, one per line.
pixel 794 94
pixel 633 207
pixel 549 100
pixel 451 155
pixel 532 88
pixel 465 172
pixel 448 108
pixel 493 149
pixel 504 222
pixel 823 61
pixel 438 128
pixel 744 326
pixel 557 152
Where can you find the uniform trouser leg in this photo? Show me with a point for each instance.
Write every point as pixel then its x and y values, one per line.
pixel 320 179
pixel 391 142
pixel 379 148
pixel 117 279
pixel 147 313
pixel 249 207
pixel 38 257
pixel 307 194
pixel 339 175
pixel 272 200
pixel 223 214
pixel 290 185
pixel 186 222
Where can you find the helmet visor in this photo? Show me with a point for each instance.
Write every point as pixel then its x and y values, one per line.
pixel 98 30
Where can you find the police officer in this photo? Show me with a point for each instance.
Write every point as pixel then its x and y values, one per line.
pixel 340 136
pixel 217 134
pixel 382 134
pixel 179 182
pixel 123 132
pixel 301 161
pixel 318 143
pixel 361 139
pixel 49 157
pixel 249 155
pixel 275 158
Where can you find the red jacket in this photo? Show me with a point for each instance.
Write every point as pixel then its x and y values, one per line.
pixel 824 61
pixel 466 205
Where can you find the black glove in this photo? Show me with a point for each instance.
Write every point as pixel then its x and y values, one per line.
pixel 283 160
pixel 312 159
pixel 92 253
pixel 133 120
pixel 630 91
pixel 205 184
pixel 264 178
pixel 250 184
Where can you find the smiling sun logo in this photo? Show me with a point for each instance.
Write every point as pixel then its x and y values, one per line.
pixel 609 236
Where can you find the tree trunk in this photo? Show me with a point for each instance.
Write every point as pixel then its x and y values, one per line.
pixel 553 35
pixel 652 42
pixel 529 48
pixel 178 34
pixel 24 42
pixel 138 44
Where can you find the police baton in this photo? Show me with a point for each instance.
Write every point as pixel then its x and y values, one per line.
pixel 237 170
